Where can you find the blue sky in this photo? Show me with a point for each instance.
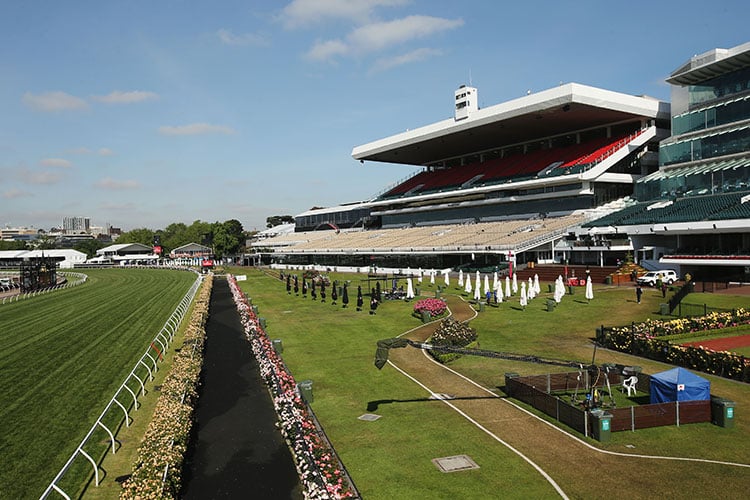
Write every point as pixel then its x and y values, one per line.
pixel 143 113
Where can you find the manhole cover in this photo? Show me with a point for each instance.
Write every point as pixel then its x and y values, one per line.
pixel 455 463
pixel 369 417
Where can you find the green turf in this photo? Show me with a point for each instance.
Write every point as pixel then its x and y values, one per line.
pixel 63 355
pixel 390 458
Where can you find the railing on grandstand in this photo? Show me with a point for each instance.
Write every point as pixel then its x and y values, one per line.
pixel 145 367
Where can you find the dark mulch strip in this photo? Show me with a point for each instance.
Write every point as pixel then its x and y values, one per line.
pixel 236 450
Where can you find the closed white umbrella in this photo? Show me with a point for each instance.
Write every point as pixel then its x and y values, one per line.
pixel 507 286
pixel 524 300
pixel 589 289
pixel 447 278
pixel 515 283
pixel 467 289
pixel 419 275
pixel 499 292
pixel 531 291
pixel 432 277
pixel 494 280
pixel 537 288
pixel 477 293
pixel 478 281
pixel 486 285
pixel 409 289
pixel 559 289
pixel 460 278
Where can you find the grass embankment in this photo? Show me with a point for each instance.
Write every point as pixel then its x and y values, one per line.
pixel 391 458
pixel 63 355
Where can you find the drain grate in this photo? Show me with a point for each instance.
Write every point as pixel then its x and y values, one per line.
pixel 369 417
pixel 455 463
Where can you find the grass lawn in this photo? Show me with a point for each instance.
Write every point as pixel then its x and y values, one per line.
pixel 391 458
pixel 62 356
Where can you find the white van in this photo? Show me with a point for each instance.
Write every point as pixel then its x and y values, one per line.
pixel 667 276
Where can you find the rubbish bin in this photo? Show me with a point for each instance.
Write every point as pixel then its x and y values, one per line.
pixel 722 412
pixel 550 305
pixel 262 322
pixel 608 279
pixel 664 309
pixel 306 391
pixel 549 288
pixel 417 292
pixel 278 347
pixel 571 290
pixel 426 317
pixel 437 294
pixel 481 306
pixel 601 425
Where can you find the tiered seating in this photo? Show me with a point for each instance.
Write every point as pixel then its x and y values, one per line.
pixel 517 166
pixel 506 234
pixel 692 208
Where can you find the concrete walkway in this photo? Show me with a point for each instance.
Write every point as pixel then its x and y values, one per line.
pixel 236 451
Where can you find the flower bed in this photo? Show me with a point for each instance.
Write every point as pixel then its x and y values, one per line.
pixel 433 307
pixel 321 474
pixel 452 333
pixel 158 466
pixel 641 339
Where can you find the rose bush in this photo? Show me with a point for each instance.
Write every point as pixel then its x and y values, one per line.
pixel 321 473
pixel 434 307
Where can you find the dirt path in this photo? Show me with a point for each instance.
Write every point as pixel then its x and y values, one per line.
pixel 726 344
pixel 580 470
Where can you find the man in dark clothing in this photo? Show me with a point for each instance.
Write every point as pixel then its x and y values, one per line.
pixel 638 293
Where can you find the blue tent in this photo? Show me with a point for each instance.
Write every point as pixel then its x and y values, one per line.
pixel 678 384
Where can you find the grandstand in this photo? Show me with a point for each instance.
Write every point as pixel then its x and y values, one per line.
pixel 506 182
pixel 693 213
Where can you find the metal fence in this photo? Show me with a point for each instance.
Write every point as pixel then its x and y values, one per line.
pixel 125 398
pixel 538 391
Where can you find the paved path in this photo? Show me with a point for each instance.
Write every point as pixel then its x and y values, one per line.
pixel 236 452
pixel 579 469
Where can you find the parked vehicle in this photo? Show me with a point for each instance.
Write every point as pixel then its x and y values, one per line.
pixel 650 278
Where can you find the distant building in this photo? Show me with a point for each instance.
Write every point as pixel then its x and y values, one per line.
pixel 76 224
pixel 18 233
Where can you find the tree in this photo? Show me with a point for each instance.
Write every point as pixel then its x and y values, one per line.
pixel 228 237
pixel 89 247
pixel 276 220
pixel 142 235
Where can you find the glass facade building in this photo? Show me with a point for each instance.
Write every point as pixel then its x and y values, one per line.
pixel 709 150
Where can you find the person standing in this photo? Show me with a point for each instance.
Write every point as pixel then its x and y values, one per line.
pixel 664 290
pixel 638 293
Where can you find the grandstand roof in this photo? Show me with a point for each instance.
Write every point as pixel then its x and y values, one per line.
pixel 711 64
pixel 557 111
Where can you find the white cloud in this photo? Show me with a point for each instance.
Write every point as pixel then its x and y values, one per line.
pixel 301 13
pixel 387 63
pixel 55 162
pixel 117 185
pixel 229 38
pixel 53 101
pixel 129 97
pixel 380 36
pixel 39 178
pixel 12 194
pixel 87 151
pixel 196 129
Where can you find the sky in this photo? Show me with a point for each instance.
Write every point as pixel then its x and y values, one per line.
pixel 142 113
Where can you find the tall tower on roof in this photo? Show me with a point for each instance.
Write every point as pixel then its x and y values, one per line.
pixel 467 101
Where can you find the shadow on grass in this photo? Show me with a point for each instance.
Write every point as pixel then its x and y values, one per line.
pixel 373 405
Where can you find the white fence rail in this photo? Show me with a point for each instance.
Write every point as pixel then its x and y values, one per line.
pixel 125 397
pixel 78 279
